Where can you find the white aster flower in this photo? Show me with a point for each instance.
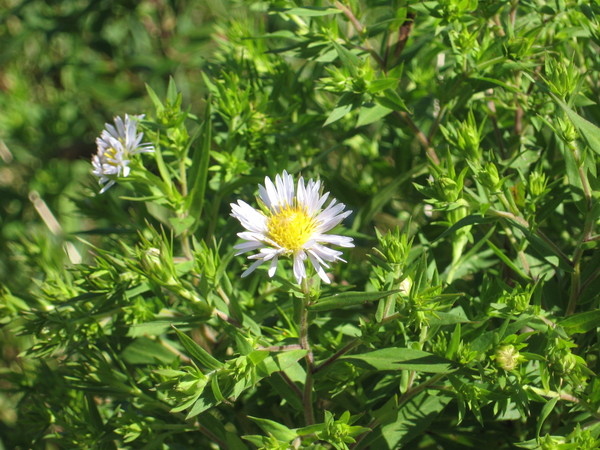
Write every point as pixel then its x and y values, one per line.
pixel 116 144
pixel 294 225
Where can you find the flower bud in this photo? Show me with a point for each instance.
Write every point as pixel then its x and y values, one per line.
pixel 537 183
pixel 566 130
pixel 489 177
pixel 507 357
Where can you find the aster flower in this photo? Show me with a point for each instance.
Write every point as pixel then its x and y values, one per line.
pixel 293 224
pixel 116 144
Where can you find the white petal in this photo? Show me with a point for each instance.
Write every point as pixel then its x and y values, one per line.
pixel 264 196
pixel 273 267
pixel 322 275
pixel 299 270
pixel 251 236
pixel 252 268
pixel 273 198
pixel 342 241
pixel 246 247
pixel 326 253
pixel 250 218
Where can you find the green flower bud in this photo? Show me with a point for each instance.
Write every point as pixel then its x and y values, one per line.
pixel 157 268
pixel 151 259
pixel 550 443
pixel 489 177
pixel 537 183
pixel 507 357
pixel 562 79
pixel 468 140
pixel 566 130
pixel 405 286
pixel 447 189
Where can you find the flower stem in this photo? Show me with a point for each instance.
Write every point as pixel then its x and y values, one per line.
pixel 309 415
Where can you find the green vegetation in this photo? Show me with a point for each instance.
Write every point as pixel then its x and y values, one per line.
pixel 462 135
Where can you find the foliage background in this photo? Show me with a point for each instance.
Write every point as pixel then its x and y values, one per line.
pixel 457 121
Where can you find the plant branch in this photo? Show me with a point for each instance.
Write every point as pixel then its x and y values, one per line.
pixel 341 352
pixel 309 415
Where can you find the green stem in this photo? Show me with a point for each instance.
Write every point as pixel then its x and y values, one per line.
pixel 588 229
pixel 309 415
pixel 185 238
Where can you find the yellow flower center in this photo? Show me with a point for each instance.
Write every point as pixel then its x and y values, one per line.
pixel 290 227
pixel 111 156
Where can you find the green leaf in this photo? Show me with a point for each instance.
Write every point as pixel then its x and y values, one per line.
pixel 180 224
pixel 589 131
pixel 311 11
pixel 544 413
pixel 201 356
pixel 351 298
pixel 279 431
pixel 500 254
pixel 464 222
pixel 338 112
pixel 147 351
pixel 454 342
pixel 397 358
pixel 154 98
pixel 198 173
pixel 390 99
pixel 444 318
pixel 581 322
pixel 162 169
pixel 401 425
pixel 370 113
pixel 349 60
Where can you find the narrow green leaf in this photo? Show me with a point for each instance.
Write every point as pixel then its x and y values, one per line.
pixel 162 168
pixel 337 113
pixel 172 92
pixel 350 60
pixel 454 342
pixel 198 173
pixel 382 84
pixel 544 413
pixel 278 430
pixel 589 131
pixel 401 425
pixel 216 390
pixel 147 351
pixel 500 254
pixel 154 98
pixel 396 358
pixel 581 322
pixel 472 219
pixel 200 355
pixel 345 299
pixel 391 99
pixel 444 318
pixel 370 113
pixel 311 11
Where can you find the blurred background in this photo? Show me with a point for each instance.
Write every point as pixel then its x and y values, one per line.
pixel 66 68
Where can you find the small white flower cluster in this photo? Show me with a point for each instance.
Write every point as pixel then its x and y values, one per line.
pixel 294 225
pixel 116 144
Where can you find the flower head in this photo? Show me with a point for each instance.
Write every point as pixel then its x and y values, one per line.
pixel 115 145
pixel 293 224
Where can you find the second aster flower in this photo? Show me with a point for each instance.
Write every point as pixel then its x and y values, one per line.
pixel 116 145
pixel 294 224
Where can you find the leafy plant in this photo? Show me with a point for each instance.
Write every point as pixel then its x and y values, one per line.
pixel 463 137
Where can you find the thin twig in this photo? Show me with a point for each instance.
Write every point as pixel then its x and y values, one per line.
pixel 280 348
pixel 291 384
pixel 228 319
pixel 309 415
pixel 341 352
pixel 421 137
